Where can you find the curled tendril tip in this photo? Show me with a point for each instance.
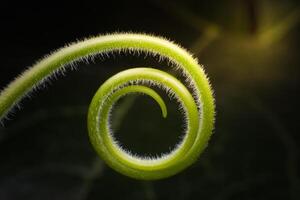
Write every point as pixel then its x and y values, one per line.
pixel 198 105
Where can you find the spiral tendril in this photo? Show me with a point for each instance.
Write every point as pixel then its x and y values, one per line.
pixel 198 106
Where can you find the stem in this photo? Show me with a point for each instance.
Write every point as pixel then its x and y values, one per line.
pixel 198 107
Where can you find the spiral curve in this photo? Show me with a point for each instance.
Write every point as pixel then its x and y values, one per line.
pixel 198 107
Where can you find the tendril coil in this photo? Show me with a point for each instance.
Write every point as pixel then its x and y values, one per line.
pixel 198 106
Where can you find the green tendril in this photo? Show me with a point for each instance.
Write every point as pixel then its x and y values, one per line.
pixel 198 106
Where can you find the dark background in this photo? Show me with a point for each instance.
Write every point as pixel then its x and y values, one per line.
pixel 250 51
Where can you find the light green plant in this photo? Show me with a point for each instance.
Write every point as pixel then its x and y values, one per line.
pixel 198 107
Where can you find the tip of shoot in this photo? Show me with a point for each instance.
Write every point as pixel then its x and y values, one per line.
pixel 164 113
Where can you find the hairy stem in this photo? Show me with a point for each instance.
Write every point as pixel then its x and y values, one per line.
pixel 198 107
